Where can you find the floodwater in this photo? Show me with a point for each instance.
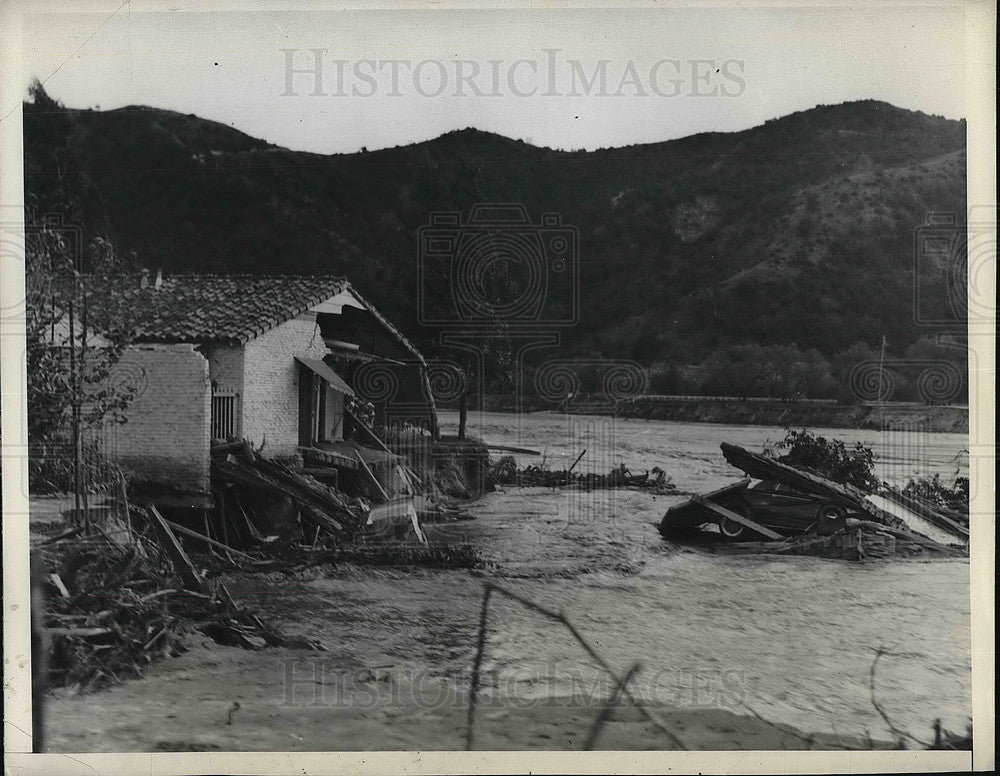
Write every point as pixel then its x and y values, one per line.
pixel 792 638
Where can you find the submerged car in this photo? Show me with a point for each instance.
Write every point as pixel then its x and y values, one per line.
pixel 773 505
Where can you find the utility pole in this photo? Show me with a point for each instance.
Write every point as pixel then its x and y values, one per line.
pixel 881 367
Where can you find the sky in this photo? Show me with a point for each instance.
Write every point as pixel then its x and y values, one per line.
pixel 583 78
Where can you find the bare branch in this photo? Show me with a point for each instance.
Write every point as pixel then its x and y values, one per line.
pixel 562 619
pixel 605 714
pixel 476 667
pixel 900 734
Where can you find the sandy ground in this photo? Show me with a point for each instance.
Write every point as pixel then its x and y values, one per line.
pixel 223 698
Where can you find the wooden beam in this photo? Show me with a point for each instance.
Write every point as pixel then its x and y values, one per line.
pixel 578 459
pixel 374 479
pixel 516 450
pixel 721 510
pixel 182 563
pixel 207 540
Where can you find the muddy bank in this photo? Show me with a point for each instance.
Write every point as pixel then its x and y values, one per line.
pixel 402 643
pixel 286 703
pixel 895 417
pixel 694 409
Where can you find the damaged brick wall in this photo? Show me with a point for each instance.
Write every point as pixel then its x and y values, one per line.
pixel 166 436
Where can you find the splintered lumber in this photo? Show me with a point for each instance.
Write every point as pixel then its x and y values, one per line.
pixel 736 518
pixel 515 450
pixel 578 459
pixel 317 503
pixel 914 538
pixel 368 431
pixel 931 513
pixel 371 475
pixel 202 538
pixel 125 507
pixel 178 557
pixel 56 580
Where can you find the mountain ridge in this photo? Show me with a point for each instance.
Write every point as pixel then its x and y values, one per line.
pixel 799 230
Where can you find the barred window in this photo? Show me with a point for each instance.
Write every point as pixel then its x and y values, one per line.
pixel 225 414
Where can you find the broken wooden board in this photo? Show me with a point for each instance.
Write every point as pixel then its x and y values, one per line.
pixel 736 518
pixel 182 563
pixel 372 477
pixel 386 518
pixel 689 514
pixel 207 540
pixel 515 450
pixel 929 512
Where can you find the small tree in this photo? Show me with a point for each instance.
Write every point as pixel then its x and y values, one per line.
pixel 78 325
pixel 78 317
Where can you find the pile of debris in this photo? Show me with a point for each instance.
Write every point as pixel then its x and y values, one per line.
pixel 134 582
pixel 257 499
pixel 506 472
pixel 858 540
pixel 794 511
pixel 119 595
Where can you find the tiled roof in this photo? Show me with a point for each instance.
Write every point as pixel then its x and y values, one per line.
pixel 224 308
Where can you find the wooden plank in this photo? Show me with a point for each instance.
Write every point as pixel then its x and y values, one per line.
pixel 177 555
pixel 509 449
pixel 374 479
pixel 718 492
pixel 578 459
pixel 926 511
pixel 719 509
pixel 364 427
pixel 202 538
pixel 56 580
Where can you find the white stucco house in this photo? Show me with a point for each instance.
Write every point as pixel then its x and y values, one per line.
pixel 267 358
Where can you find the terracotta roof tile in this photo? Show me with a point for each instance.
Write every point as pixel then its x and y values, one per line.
pixel 225 308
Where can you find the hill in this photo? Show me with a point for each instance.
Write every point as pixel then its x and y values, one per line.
pixel 796 231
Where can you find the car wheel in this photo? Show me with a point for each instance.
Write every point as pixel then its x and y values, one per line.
pixel 732 530
pixel 830 518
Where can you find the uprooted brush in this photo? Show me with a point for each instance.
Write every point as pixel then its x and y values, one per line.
pixel 114 606
pixel 506 472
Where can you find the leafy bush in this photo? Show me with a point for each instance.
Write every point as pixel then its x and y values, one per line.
pixel 828 458
pixel 51 468
pixel 935 490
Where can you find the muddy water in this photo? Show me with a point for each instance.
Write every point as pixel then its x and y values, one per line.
pixel 793 638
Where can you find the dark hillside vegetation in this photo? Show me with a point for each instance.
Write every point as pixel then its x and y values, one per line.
pixel 797 232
